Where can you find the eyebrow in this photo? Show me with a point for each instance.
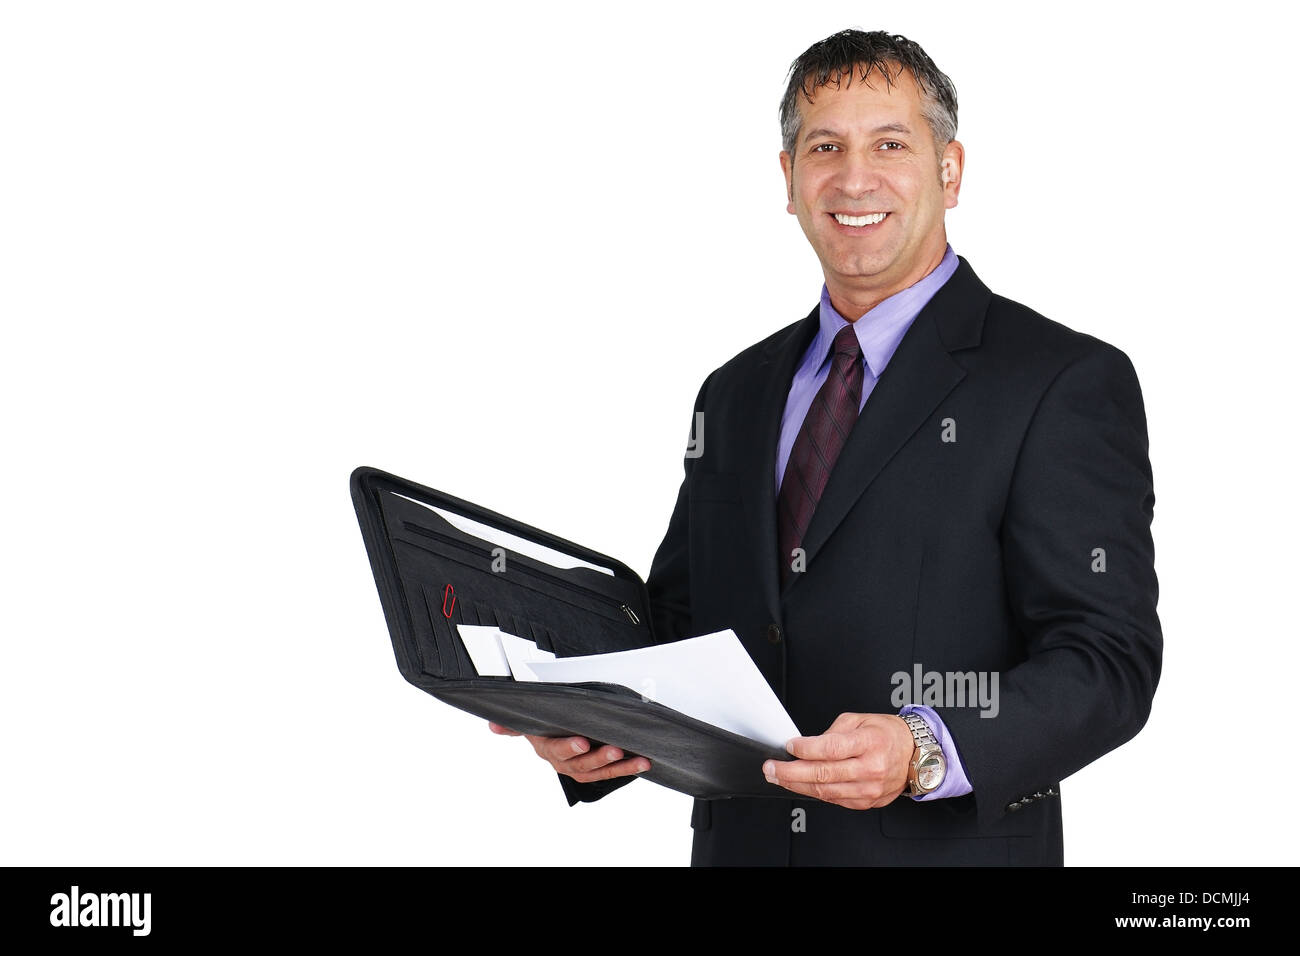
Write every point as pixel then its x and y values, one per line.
pixel 887 128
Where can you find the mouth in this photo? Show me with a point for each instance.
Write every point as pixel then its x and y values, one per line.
pixel 866 222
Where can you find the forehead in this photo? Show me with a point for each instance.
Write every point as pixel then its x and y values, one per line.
pixel 851 97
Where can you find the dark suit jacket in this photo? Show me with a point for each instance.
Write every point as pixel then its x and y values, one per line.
pixel 971 555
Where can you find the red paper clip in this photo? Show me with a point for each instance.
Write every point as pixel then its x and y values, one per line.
pixel 448 594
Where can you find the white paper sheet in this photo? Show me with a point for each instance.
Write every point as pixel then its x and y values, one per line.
pixel 711 678
pixel 498 654
pixel 520 653
pixel 485 651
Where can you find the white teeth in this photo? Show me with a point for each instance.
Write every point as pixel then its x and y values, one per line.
pixel 871 220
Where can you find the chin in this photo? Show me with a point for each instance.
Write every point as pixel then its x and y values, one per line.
pixel 864 265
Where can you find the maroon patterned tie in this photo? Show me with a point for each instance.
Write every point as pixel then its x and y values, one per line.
pixel 821 437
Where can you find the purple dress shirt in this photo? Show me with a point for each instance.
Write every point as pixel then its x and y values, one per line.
pixel 879 332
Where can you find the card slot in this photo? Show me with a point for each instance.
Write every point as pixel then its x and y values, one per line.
pixel 434 649
pixel 541 636
pixel 502 620
pixel 518 627
pixel 463 662
pixel 528 632
pixel 469 609
pixel 438 648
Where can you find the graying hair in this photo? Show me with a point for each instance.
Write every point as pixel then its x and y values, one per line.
pixel 826 61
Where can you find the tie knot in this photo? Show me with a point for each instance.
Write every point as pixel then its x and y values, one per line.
pixel 846 342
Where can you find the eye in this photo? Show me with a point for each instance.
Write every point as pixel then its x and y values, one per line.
pixel 819 146
pixel 894 143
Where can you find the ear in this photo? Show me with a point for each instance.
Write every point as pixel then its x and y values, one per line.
pixel 787 168
pixel 952 162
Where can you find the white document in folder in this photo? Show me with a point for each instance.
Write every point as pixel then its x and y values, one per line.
pixel 711 678
pixel 485 649
pixel 495 653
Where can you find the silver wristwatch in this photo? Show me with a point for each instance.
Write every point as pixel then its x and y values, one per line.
pixel 926 771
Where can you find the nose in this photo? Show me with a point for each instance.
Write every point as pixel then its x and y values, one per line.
pixel 859 174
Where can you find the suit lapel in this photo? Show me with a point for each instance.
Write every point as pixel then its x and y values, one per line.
pixel 919 375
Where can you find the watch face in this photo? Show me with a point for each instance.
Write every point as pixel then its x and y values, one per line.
pixel 929 772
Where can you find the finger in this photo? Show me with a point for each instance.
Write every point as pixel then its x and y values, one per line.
pixel 600 757
pixel 829 746
pixel 843 790
pixel 853 794
pixel 782 772
pixel 498 729
pixel 557 749
pixel 620 768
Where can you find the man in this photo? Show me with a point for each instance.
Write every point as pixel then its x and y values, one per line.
pixel 919 488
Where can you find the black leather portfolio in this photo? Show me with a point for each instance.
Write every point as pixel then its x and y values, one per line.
pixel 434 574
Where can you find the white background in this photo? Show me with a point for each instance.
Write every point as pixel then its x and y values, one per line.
pixel 246 247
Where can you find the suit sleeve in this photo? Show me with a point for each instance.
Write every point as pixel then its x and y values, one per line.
pixel 668 586
pixel 1079 567
pixel 669 581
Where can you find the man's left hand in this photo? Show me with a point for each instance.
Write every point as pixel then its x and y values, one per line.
pixel 860 762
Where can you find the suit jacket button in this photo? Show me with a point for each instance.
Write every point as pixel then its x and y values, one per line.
pixel 773 634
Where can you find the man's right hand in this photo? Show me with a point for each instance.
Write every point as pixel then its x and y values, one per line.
pixel 572 756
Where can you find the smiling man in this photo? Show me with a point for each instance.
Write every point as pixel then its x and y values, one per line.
pixel 920 477
pixel 872 182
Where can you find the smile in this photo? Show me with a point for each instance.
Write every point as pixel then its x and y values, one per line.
pixel 870 219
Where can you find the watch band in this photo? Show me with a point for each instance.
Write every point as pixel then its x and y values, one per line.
pixel 921 731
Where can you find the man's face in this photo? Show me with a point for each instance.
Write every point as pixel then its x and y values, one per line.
pixel 866 148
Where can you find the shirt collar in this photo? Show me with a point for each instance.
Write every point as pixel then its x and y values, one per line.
pixel 881 329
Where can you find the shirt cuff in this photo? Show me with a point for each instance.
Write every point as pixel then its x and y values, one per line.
pixel 955 782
